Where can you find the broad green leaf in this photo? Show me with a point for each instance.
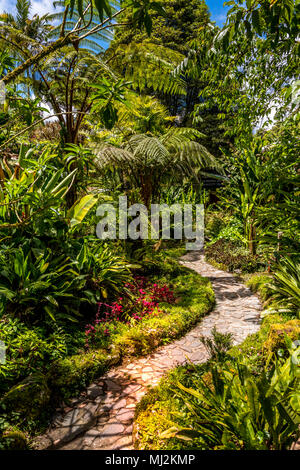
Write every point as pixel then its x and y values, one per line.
pixel 80 209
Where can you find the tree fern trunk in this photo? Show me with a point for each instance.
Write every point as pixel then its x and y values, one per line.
pixel 36 58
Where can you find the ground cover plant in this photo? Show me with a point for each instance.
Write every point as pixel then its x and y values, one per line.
pixel 235 401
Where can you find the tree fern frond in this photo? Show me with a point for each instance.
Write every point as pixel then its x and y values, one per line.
pixel 107 155
pixel 148 66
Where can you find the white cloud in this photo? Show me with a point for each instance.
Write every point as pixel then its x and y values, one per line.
pixel 7 6
pixel 39 7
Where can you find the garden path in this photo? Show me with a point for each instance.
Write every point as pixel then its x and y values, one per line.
pixel 102 417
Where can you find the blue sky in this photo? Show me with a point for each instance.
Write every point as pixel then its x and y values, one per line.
pixel 218 12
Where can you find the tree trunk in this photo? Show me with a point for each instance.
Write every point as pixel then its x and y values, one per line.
pixel 36 58
pixel 252 239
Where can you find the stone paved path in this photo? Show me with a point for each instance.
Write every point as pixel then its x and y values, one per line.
pixel 102 418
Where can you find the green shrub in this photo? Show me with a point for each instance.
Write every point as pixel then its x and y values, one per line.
pixel 285 286
pixel 217 345
pixel 219 225
pixel 29 398
pixel 13 439
pixel 28 350
pixel 40 286
pixel 252 348
pixel 106 272
pixel 259 283
pixel 233 256
pixel 69 375
pixel 155 411
pixel 233 410
pixel 278 333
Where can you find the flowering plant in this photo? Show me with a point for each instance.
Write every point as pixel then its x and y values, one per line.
pixel 142 299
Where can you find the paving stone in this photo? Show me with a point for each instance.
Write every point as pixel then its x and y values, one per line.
pixel 131 389
pixel 131 405
pixel 125 415
pixel 94 391
pixel 74 423
pixel 113 429
pixel 105 421
pixel 119 404
pixel 112 385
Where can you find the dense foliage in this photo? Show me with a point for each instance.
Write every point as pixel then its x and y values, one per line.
pixel 153 101
pixel 223 406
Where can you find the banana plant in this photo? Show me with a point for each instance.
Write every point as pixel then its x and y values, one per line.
pixel 29 189
pixel 246 189
pixel 80 209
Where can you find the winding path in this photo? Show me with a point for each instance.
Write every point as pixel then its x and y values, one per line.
pixel 102 417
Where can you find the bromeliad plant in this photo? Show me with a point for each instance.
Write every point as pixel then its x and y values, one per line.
pixel 285 287
pixel 31 187
pixel 33 288
pixel 107 273
pixel 235 410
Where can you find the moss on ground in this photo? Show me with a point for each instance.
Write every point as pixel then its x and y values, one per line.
pixel 252 348
pixel 278 333
pixel 69 375
pixel 158 410
pixel 258 283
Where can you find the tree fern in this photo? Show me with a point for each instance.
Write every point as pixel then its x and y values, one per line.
pixel 148 159
pixel 147 66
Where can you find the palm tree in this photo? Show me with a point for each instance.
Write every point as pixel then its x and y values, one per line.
pixel 24 35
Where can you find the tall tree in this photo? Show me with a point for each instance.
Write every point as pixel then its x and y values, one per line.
pixel 184 23
pixel 254 63
pixel 108 17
